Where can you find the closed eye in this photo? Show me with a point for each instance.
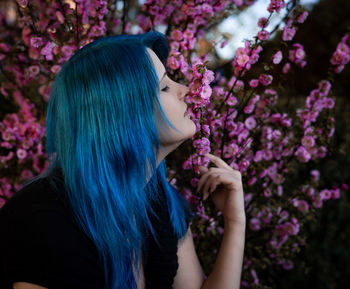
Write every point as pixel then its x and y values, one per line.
pixel 165 88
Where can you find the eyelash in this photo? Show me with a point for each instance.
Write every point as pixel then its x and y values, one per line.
pixel 165 88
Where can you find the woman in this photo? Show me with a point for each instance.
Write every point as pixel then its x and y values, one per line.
pixel 103 215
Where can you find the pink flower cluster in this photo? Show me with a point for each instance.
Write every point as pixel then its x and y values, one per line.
pixel 297 55
pixel 21 138
pixel 245 57
pixel 288 33
pixel 284 231
pixel 197 12
pixel 341 56
pixel 276 5
pixel 21 143
pixel 315 103
pixel 228 113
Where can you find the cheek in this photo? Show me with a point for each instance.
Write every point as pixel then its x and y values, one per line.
pixel 171 109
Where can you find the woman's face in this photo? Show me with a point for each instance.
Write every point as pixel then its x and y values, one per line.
pixel 172 101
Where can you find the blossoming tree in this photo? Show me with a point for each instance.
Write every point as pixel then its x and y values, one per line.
pixel 235 113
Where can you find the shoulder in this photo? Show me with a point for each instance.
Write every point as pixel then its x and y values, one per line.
pixel 37 195
pixel 43 243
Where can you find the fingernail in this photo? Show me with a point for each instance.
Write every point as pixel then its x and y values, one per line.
pixel 205 196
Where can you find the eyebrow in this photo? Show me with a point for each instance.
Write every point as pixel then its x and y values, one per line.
pixel 162 77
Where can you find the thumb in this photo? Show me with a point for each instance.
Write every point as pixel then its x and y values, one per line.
pixel 202 169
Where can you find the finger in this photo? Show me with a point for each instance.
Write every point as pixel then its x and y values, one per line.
pixel 202 169
pixel 208 183
pixel 214 185
pixel 218 161
pixel 204 177
pixel 202 180
pixel 211 188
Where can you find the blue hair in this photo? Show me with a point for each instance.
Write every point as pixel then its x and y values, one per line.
pixel 102 134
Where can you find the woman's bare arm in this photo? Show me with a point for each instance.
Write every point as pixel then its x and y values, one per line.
pixel 227 270
pixel 25 285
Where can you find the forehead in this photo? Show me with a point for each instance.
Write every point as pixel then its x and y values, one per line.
pixel 158 65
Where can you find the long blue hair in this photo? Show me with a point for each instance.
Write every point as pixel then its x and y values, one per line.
pixel 102 133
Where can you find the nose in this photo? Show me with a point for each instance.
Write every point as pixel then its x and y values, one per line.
pixel 183 90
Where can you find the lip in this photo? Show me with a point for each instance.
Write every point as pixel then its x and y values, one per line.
pixel 186 112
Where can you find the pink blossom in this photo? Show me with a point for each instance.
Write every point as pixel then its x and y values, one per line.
pixel 242 59
pixel 21 153
pixel 265 79
pixel 336 194
pixel 338 58
pixel 187 165
pixel 308 141
pixel 277 57
pixel 67 51
pixel 315 175
pixel 279 190
pixel 208 76
pixel 206 10
pixel 325 195
pixel 176 34
pixel 174 46
pixel 45 91
pixel 232 100
pixel 302 17
pixel 302 205
pixel 206 92
pixel 254 83
pixel 47 50
pixel 288 33
pixel 254 224
pixel 252 181
pixel 188 34
pixel 343 48
pixel 173 63
pixel 328 103
pixel 324 86
pixel 201 143
pixel 263 35
pixel 263 22
pixel 238 2
pixel 267 193
pixel 322 151
pixel 99 30
pixel 60 16
pixel 258 156
pixel 36 41
pixel 248 109
pixel 302 154
pixel 286 68
pixel 250 122
pixel 33 70
pixel 276 5
pixel 26 174
pixel 255 277
pixel 4 47
pixel 55 68
pixel 317 203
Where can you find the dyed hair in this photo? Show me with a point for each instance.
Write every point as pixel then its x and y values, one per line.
pixel 102 133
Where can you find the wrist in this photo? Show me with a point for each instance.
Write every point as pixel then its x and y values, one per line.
pixel 237 223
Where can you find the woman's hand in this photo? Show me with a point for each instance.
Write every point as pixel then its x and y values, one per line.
pixel 224 184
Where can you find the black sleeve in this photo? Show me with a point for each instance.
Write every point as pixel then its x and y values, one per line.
pixel 45 248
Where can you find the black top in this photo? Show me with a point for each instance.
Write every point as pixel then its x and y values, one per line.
pixel 41 243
